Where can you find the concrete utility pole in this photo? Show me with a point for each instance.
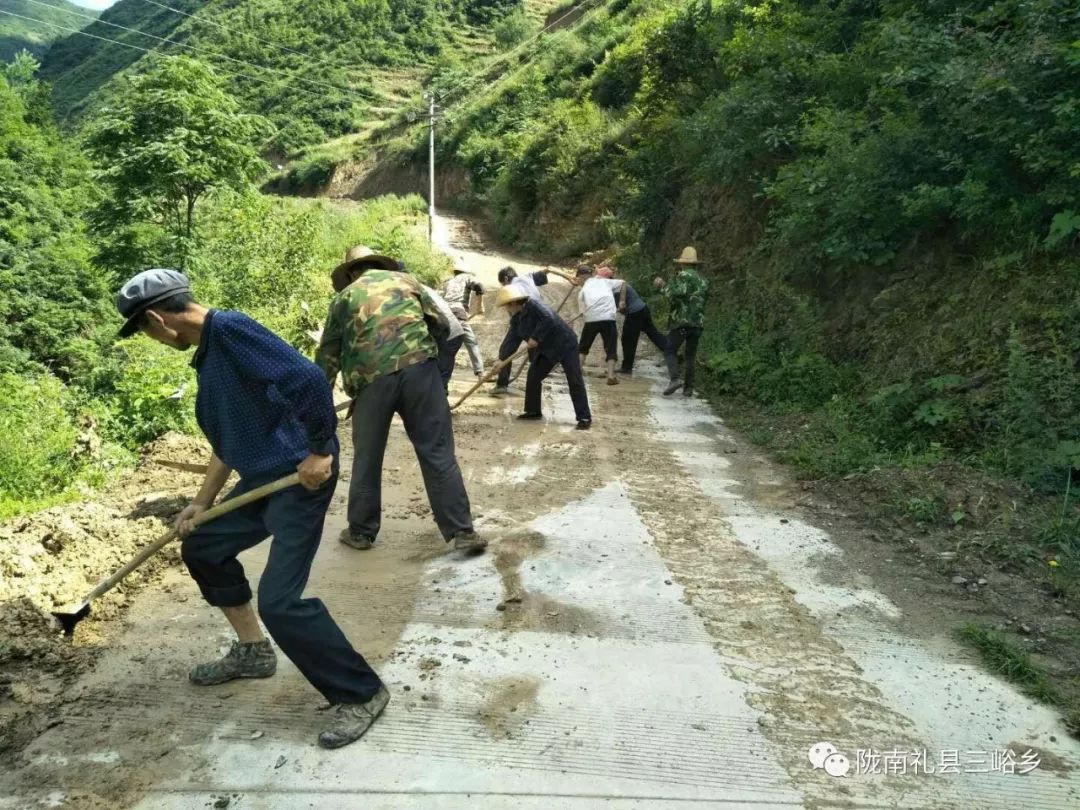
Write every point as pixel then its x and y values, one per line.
pixel 431 167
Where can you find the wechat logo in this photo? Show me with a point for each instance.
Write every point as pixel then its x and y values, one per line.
pixel 824 756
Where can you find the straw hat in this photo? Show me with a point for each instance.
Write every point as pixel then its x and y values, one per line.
pixel 510 295
pixel 689 256
pixel 361 254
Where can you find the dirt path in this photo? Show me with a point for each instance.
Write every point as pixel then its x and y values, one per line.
pixel 655 625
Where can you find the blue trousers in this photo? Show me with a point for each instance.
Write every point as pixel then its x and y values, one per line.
pixel 302 628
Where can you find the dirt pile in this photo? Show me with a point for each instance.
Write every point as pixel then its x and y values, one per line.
pixel 52 558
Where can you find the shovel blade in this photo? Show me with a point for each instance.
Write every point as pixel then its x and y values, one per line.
pixel 69 618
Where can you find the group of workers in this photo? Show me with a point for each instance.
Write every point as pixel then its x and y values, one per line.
pixel 552 342
pixel 268 411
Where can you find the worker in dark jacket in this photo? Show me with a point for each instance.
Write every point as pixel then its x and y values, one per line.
pixel 551 341
pixel 267 412
pixel 638 320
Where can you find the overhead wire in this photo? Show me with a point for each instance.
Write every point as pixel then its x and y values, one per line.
pixel 126 44
pixel 480 76
pixel 215 24
pixel 197 49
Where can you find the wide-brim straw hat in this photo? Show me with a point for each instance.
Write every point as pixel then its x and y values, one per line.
pixel 510 295
pixel 689 256
pixel 361 254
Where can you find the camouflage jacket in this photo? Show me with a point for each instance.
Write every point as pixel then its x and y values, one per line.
pixel 377 325
pixel 687 293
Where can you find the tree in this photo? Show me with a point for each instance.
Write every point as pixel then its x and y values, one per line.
pixel 168 138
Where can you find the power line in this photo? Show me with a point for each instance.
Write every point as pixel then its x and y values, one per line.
pixel 126 45
pixel 203 50
pixel 285 48
pixel 479 77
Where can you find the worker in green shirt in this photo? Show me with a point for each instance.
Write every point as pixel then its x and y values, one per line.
pixel 687 295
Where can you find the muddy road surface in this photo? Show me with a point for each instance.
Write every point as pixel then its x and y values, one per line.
pixel 656 624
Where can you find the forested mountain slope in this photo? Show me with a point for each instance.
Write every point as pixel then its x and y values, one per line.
pixel 17 33
pixel 885 193
pixel 316 68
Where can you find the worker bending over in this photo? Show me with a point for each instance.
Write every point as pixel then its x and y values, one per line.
pixel 551 341
pixel 267 412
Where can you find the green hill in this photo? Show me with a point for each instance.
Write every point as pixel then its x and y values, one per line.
pixel 17 34
pixel 318 69
pixel 886 194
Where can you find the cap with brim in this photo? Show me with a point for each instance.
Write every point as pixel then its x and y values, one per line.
pixel 356 257
pixel 143 291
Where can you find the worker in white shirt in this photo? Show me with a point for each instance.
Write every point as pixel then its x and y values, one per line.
pixel 597 301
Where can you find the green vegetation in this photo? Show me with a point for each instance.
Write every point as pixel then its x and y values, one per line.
pixel 884 192
pixel 18 34
pixel 74 403
pixel 313 68
pixel 171 137
pixel 1002 656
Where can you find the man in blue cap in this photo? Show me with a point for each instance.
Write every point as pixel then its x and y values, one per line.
pixel 267 411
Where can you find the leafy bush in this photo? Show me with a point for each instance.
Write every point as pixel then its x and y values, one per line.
pixel 37 437
pixel 512 29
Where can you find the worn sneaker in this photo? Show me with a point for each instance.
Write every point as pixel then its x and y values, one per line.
pixel 584 424
pixel 671 389
pixel 499 391
pixel 469 542
pixel 362 542
pixel 612 380
pixel 255 660
pixel 688 392
pixel 351 720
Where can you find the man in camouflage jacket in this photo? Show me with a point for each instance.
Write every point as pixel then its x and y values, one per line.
pixel 687 295
pixel 379 336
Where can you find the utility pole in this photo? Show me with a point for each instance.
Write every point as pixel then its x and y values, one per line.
pixel 431 167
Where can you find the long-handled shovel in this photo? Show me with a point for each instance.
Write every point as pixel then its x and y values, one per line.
pixel 491 374
pixel 525 364
pixel 71 616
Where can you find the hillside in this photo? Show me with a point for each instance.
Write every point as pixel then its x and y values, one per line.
pixel 18 34
pixel 885 197
pixel 317 69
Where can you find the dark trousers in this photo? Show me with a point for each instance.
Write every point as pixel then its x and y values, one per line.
pixel 541 367
pixel 690 335
pixel 302 628
pixel 417 394
pixel 608 332
pixel 509 345
pixel 447 359
pixel 633 326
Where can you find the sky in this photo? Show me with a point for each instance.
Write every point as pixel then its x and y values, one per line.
pixel 98 4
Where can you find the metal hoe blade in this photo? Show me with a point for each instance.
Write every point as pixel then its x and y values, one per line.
pixel 69 618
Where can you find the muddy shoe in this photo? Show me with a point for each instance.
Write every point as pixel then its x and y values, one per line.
pixel 530 417
pixel 688 392
pixel 469 542
pixel 671 389
pixel 361 542
pixel 255 660
pixel 612 380
pixel 499 391
pixel 584 424
pixel 351 720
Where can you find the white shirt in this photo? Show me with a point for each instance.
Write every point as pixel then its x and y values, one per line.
pixel 597 299
pixel 527 286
